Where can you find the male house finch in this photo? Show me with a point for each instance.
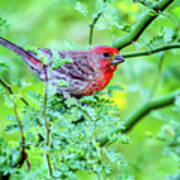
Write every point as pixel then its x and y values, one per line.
pixel 89 71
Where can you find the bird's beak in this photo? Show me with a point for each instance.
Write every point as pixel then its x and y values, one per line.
pixel 117 59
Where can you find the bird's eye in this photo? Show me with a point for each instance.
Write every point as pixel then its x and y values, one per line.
pixel 106 55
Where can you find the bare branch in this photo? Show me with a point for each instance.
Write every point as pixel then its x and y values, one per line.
pixel 24 156
pixel 138 114
pixel 91 30
pixel 6 86
pixel 157 76
pixel 48 130
pixel 23 152
pixel 152 51
pixel 98 15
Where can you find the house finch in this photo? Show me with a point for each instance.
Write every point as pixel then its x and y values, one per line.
pixel 89 71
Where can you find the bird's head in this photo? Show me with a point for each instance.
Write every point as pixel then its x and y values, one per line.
pixel 107 57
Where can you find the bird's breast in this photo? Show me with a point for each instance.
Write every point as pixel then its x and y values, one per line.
pixel 98 83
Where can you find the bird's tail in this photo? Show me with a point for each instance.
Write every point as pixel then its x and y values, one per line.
pixel 28 56
pixel 19 50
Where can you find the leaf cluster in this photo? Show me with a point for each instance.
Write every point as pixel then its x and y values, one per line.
pixel 74 127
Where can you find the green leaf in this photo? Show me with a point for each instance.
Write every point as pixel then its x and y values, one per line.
pixel 2 91
pixel 63 83
pixel 71 101
pixel 39 54
pixel 45 60
pixel 9 100
pixel 3 65
pixel 3 24
pixel 11 128
pixel 81 8
pixel 21 83
pixel 60 62
pixel 72 45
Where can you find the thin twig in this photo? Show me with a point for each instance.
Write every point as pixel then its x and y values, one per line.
pixel 93 23
pixel 6 86
pixel 24 154
pixel 142 24
pixel 46 122
pixel 98 15
pixel 157 77
pixel 144 3
pixel 138 114
pixel 152 51
pixel 9 89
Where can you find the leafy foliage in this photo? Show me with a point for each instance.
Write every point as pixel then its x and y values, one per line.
pixel 74 126
pixel 3 25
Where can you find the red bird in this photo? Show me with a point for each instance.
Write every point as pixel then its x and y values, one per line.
pixel 90 70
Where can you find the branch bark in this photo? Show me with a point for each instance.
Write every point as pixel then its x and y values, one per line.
pixel 24 156
pixel 98 15
pixel 9 89
pixel 47 126
pixel 152 51
pixel 91 30
pixel 142 111
pixel 143 23
pixel 23 151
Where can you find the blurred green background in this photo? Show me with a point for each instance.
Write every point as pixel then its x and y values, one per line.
pixel 61 24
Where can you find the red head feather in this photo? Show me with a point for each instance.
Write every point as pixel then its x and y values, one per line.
pixel 102 49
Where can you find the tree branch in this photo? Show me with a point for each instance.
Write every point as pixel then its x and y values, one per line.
pixel 6 86
pixel 152 51
pixel 47 126
pixel 93 23
pixel 97 16
pixel 23 152
pixel 47 132
pixel 9 89
pixel 23 157
pixel 143 23
pixel 142 111
pixel 157 76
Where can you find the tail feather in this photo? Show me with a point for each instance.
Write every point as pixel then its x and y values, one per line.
pixel 30 59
